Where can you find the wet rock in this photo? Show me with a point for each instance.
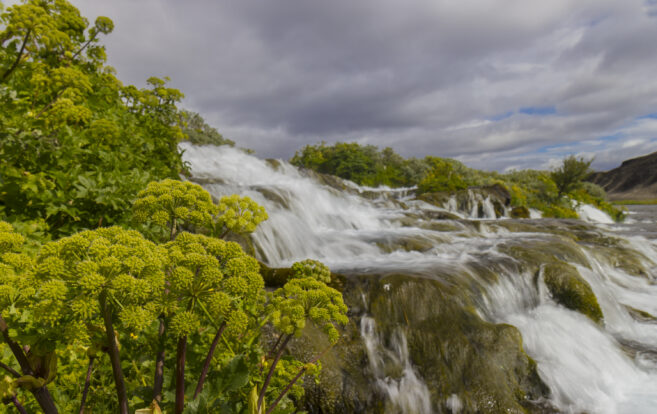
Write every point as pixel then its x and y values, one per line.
pixel 452 349
pixel 531 254
pixel 520 212
pixel 641 316
pixel 568 288
pixel 206 180
pixel 472 200
pixel 274 163
pixel 273 196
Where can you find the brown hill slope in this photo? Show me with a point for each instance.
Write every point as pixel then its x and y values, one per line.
pixel 635 179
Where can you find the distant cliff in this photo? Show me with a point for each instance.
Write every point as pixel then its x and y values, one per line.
pixel 635 179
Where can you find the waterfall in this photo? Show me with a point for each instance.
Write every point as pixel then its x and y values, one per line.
pixel 407 393
pixel 609 367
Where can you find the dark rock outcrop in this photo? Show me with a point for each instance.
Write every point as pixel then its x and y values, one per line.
pixel 635 179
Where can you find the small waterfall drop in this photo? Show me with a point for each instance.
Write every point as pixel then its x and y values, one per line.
pixel 609 367
pixel 407 393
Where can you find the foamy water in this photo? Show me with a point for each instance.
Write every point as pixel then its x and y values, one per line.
pixel 589 368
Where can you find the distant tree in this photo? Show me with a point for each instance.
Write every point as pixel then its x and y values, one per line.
pixel 570 175
pixel 199 132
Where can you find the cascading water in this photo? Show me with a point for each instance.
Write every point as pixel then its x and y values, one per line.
pixel 491 268
pixel 407 394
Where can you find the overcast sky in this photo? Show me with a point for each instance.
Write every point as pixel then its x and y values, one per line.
pixel 497 84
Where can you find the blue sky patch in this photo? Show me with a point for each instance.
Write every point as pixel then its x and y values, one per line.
pixel 538 110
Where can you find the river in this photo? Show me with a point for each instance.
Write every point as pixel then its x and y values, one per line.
pixel 495 268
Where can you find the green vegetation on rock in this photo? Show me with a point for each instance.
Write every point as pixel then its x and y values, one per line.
pixel 552 193
pixel 568 288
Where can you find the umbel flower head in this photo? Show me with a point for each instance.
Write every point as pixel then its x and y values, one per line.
pixel 120 264
pixel 313 269
pixel 212 279
pixel 238 215
pixel 172 203
pixel 308 299
pixel 16 268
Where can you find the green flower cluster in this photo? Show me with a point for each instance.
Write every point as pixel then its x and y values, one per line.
pixel 313 269
pixel 239 215
pixel 16 268
pixel 172 203
pixel 308 299
pixel 75 271
pixel 210 278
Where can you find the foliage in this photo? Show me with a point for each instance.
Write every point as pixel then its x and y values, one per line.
pixel 308 299
pixel 238 215
pixel 199 132
pixel 76 144
pixel 442 177
pixel 172 204
pixel 539 190
pixel 570 175
pixel 364 165
pixel 313 269
pixel 100 296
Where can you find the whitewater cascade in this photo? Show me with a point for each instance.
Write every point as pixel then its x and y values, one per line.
pixel 498 266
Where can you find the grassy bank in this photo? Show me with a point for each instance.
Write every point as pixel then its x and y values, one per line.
pixel 634 202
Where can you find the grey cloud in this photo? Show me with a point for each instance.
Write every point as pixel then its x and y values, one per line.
pixel 422 76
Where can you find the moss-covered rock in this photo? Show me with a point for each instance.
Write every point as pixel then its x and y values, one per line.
pixel 452 349
pixel 472 199
pixel 568 288
pixel 520 212
pixel 531 254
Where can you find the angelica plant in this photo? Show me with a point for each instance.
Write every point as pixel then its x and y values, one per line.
pixel 238 215
pixel 107 275
pixel 17 288
pixel 173 204
pixel 211 282
pixel 313 269
pixel 302 300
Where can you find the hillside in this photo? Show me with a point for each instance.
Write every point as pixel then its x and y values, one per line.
pixel 635 179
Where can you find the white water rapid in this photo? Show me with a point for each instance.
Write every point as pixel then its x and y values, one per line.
pixel 593 368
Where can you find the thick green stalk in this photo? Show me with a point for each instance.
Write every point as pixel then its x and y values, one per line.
pixel 41 394
pixel 294 380
pixel 208 360
pixel 113 351
pixel 261 397
pixel 87 382
pixel 158 381
pixel 180 374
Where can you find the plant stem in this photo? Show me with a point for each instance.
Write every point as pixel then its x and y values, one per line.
pixel 18 405
pixel 172 233
pixel 115 359
pixel 158 381
pixel 294 380
pixel 273 348
pixel 18 58
pixel 261 397
pixel 180 374
pixel 208 360
pixel 87 382
pixel 41 394
pixel 10 370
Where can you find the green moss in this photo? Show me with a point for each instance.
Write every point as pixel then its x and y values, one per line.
pixel 569 289
pixel 274 277
pixel 453 349
pixel 641 316
pixel 635 202
pixel 520 212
